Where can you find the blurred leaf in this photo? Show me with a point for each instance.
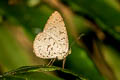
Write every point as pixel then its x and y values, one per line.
pixel 112 57
pixel 105 14
pixel 11 54
pixel 29 17
pixel 79 62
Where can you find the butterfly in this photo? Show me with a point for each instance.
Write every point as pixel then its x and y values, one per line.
pixel 53 42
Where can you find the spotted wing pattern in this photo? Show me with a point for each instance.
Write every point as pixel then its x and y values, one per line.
pixel 53 41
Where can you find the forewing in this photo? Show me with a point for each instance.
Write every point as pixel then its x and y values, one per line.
pixel 55 28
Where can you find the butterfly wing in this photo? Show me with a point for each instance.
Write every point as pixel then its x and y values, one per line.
pixel 55 27
pixel 45 46
pixel 53 42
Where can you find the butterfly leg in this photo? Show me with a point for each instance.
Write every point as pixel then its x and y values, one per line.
pixel 49 62
pixel 52 61
pixel 63 63
pixel 64 60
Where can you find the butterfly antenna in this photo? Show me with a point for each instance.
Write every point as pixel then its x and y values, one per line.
pixel 77 39
pixel 69 51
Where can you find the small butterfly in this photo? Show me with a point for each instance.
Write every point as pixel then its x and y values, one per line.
pixel 52 43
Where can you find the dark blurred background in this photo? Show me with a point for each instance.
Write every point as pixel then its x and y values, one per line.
pixel 96 56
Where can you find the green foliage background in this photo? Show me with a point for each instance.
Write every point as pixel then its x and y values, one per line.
pixel 95 56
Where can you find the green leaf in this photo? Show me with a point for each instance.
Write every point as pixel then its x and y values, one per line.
pixel 36 72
